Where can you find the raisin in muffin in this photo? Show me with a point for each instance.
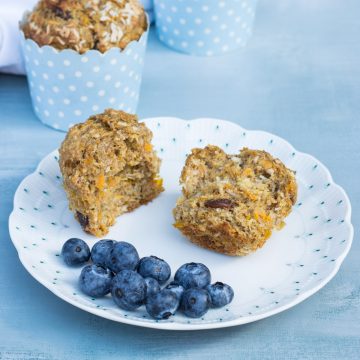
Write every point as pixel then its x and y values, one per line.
pixel 109 168
pixel 232 203
pixel 82 25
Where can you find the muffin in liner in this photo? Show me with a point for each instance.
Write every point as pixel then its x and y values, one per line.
pixel 204 28
pixel 67 87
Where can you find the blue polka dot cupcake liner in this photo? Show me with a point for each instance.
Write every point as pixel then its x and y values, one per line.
pixel 204 28
pixel 147 4
pixel 148 7
pixel 67 87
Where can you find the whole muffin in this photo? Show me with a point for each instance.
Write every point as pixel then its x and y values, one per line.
pixel 82 25
pixel 109 168
pixel 232 203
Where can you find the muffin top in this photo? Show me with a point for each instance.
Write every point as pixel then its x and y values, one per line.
pixel 82 25
pixel 112 140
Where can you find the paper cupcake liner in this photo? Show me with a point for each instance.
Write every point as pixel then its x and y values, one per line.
pixel 151 16
pixel 204 28
pixel 147 4
pixel 67 87
pixel 148 7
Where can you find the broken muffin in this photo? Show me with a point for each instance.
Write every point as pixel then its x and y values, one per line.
pixel 109 168
pixel 232 203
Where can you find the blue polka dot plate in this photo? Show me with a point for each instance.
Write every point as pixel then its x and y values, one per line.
pixel 294 263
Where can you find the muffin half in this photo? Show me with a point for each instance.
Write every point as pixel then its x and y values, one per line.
pixel 232 203
pixel 109 168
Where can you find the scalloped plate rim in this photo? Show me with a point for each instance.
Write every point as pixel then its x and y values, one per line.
pixel 214 325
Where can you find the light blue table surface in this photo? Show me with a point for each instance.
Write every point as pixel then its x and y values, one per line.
pixel 298 78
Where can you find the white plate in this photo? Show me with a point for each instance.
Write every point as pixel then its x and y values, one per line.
pixel 294 263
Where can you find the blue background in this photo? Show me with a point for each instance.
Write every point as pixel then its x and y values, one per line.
pixel 299 78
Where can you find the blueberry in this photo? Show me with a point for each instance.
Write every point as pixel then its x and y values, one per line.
pixel 75 252
pixel 176 288
pixel 193 275
pixel 220 294
pixel 123 256
pixel 101 250
pixel 152 266
pixel 128 290
pixel 195 302
pixel 162 305
pixel 152 286
pixel 95 280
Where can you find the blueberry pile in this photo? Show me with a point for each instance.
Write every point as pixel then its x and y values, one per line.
pixel 116 268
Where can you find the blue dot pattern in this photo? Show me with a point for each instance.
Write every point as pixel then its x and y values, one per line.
pixel 204 28
pixel 66 87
